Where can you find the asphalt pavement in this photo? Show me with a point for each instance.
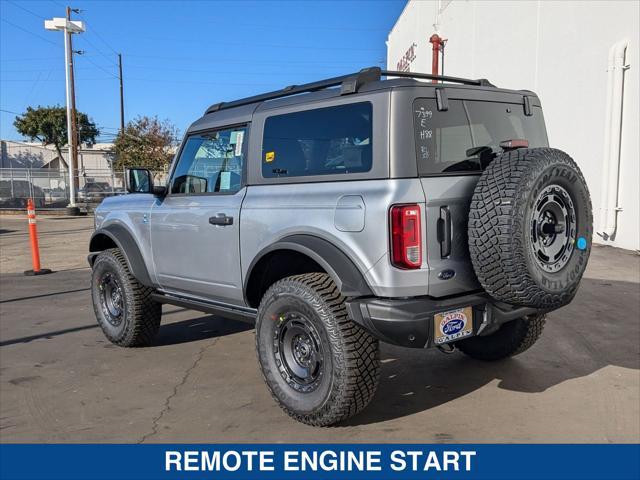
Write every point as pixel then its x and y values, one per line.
pixel 62 381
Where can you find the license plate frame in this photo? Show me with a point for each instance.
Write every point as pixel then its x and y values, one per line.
pixel 452 325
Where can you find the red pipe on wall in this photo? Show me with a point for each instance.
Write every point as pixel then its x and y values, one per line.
pixel 437 42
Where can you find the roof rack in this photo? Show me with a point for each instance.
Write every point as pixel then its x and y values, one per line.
pixel 481 82
pixel 350 83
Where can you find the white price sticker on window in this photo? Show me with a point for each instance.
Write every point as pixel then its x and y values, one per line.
pixel 239 138
pixel 225 181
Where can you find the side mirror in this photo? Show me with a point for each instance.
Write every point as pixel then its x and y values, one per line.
pixel 140 180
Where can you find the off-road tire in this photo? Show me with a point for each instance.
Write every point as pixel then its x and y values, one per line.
pixel 141 314
pixel 512 338
pixel 352 366
pixel 501 216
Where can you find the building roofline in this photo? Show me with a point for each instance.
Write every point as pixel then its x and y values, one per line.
pixel 398 19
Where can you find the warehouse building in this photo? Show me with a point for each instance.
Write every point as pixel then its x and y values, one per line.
pixel 581 58
pixel 92 158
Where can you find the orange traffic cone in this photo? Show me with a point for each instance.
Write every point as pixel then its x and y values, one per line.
pixel 33 240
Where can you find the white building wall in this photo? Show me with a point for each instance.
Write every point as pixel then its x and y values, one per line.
pixel 35 155
pixel 559 50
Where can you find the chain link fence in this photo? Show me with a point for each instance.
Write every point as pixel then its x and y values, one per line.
pixel 49 188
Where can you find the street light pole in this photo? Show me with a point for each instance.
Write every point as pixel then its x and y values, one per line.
pixel 68 27
pixel 67 70
pixel 74 116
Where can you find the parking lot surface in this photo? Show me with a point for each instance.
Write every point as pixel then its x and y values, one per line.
pixel 62 381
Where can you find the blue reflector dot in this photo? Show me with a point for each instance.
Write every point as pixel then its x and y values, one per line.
pixel 581 243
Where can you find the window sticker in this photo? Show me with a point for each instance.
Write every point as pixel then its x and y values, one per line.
pixel 225 181
pixel 239 139
pixel 270 157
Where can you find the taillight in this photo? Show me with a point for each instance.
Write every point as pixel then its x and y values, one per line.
pixel 406 236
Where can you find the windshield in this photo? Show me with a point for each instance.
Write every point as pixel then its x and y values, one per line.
pixel 443 138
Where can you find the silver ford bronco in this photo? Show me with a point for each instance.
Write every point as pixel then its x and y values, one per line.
pixel 420 210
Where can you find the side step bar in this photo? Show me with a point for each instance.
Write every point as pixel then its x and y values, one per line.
pixel 223 310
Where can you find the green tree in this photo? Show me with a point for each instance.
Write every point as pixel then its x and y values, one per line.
pixel 146 142
pixel 49 126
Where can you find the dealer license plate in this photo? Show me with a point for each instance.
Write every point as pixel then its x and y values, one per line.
pixel 453 325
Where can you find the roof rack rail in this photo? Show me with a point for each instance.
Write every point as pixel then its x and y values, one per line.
pixel 350 83
pixel 481 82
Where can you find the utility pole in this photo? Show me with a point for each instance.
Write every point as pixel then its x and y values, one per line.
pixel 74 115
pixel 121 94
pixel 68 27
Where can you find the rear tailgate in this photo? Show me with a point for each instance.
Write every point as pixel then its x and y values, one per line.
pixel 448 175
pixel 447 207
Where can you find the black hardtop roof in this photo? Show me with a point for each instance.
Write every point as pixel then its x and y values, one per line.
pixel 366 79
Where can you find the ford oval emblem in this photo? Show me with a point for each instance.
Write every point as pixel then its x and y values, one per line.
pixel 446 274
pixel 453 326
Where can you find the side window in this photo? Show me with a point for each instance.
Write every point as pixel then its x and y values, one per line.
pixel 325 141
pixel 210 163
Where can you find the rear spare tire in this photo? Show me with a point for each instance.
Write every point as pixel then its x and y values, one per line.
pixel 530 227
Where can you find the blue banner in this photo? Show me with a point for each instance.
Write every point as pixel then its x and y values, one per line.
pixel 325 461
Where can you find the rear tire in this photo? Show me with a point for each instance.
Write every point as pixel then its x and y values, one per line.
pixel 320 366
pixel 512 338
pixel 125 310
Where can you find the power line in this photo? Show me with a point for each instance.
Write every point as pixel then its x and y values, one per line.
pixel 25 9
pixel 30 33
pixel 9 111
pixel 276 27
pixel 58 3
pixel 42 70
pixel 192 82
pixel 101 68
pixel 337 63
pixel 90 29
pixel 33 89
pixel 85 39
pixel 53 80
pixel 28 59
pixel 192 70
pixel 235 73
pixel 93 30
pixel 182 40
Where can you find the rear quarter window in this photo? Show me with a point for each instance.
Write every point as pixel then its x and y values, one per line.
pixel 324 141
pixel 443 138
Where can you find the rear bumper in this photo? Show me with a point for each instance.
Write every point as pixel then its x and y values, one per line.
pixel 409 322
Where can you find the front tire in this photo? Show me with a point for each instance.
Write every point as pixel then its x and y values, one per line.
pixel 124 308
pixel 320 366
pixel 512 338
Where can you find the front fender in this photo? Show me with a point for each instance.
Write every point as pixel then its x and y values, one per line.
pixel 117 234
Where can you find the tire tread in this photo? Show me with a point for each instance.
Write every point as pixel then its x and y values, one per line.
pixel 497 245
pixel 513 338
pixel 145 312
pixel 359 360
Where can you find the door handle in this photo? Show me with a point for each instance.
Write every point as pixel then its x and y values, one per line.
pixel 444 232
pixel 221 219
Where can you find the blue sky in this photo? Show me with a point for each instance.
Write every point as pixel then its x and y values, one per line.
pixel 180 57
